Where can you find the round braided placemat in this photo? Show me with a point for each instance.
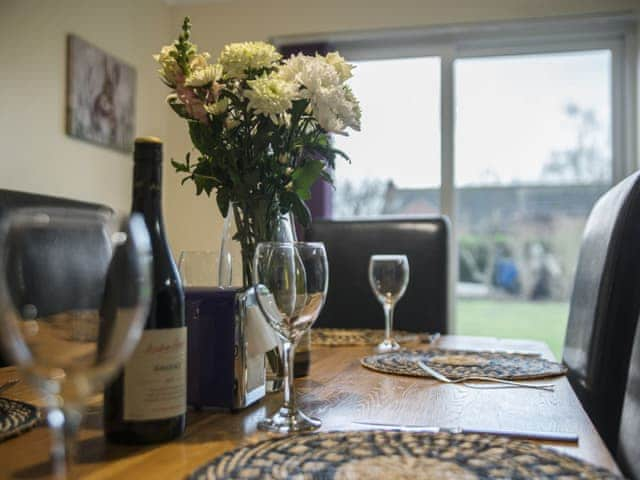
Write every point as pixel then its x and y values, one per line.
pixel 343 337
pixel 398 456
pixel 16 417
pixel 462 363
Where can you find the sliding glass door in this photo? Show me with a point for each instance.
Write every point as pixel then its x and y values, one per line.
pixel 513 131
pixel 396 157
pixel 532 155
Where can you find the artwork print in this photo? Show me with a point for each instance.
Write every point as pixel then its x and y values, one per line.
pixel 100 96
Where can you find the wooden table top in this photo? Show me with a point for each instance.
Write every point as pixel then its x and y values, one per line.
pixel 338 391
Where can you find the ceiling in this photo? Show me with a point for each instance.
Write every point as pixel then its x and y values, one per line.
pixel 174 3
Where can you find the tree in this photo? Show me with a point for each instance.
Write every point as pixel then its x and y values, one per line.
pixel 363 199
pixel 585 162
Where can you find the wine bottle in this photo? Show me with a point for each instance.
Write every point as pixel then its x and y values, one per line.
pixel 147 401
pixel 302 357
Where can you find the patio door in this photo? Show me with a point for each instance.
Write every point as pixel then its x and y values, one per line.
pixel 533 152
pixel 512 130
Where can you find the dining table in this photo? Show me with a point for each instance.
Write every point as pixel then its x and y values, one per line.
pixel 339 391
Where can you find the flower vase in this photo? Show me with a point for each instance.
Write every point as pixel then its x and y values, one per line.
pixel 235 269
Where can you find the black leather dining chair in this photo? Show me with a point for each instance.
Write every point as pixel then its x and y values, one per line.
pixel 628 445
pixel 56 271
pixel 350 300
pixel 605 305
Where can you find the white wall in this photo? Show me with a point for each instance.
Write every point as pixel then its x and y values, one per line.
pixel 194 222
pixel 37 155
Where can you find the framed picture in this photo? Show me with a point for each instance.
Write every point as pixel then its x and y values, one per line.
pixel 100 96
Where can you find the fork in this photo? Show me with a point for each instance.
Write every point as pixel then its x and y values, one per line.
pixel 438 376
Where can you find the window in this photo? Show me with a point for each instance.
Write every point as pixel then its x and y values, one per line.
pixel 398 149
pixel 513 130
pixel 532 155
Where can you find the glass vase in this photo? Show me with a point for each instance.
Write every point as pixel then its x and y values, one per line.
pixel 236 264
pixel 236 254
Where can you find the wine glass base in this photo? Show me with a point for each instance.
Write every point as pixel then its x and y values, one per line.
pixel 285 421
pixel 387 346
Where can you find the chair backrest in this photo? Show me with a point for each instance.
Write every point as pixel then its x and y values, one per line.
pixel 605 305
pixel 55 271
pixel 351 302
pixel 628 445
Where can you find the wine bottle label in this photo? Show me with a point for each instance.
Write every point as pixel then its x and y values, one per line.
pixel 155 377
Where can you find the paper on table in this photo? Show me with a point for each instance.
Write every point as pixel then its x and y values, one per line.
pixel 260 336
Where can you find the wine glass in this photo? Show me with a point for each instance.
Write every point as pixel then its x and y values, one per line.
pixel 388 277
pixel 75 288
pixel 198 268
pixel 291 287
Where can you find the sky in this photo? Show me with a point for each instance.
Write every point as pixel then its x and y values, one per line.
pixel 510 116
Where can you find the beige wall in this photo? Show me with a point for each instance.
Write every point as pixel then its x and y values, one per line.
pixel 193 223
pixel 37 155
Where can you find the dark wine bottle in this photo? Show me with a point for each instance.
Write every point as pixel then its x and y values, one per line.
pixel 147 401
pixel 302 357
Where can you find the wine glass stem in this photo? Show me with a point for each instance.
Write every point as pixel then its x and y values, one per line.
pixel 288 352
pixel 388 320
pixel 63 423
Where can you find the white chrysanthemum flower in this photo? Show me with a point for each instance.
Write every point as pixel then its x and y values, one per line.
pixel 270 95
pixel 199 61
pixel 311 73
pixel 332 103
pixel 169 70
pixel 343 68
pixel 335 108
pixel 204 76
pixel 218 107
pixel 238 58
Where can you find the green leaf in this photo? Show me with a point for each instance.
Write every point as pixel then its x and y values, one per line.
pixel 305 176
pixel 301 211
pixel 222 199
pixel 180 167
pixel 326 176
pixel 179 108
pixel 203 138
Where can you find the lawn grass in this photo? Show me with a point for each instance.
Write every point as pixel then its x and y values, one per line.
pixel 546 321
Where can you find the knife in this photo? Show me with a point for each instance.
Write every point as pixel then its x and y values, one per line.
pixel 521 434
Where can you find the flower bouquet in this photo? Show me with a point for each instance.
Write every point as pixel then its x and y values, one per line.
pixel 260 125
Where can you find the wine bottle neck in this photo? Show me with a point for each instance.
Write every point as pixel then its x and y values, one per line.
pixel 147 193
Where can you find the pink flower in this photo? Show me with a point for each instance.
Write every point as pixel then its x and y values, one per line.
pixel 195 106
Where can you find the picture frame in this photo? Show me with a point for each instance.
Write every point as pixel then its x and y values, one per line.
pixel 100 97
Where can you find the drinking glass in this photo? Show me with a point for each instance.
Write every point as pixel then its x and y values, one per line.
pixel 291 286
pixel 388 277
pixel 71 316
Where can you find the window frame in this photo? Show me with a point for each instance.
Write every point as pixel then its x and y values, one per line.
pixel 615 33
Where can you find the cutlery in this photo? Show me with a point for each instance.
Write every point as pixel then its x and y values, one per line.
pixel 8 385
pixel 433 338
pixel 438 376
pixel 520 434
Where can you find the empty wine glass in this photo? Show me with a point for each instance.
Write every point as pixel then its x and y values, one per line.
pixel 75 287
pixel 388 277
pixel 291 286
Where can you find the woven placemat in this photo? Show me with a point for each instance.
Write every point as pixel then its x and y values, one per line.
pixel 462 363
pixel 395 455
pixel 344 337
pixel 16 417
